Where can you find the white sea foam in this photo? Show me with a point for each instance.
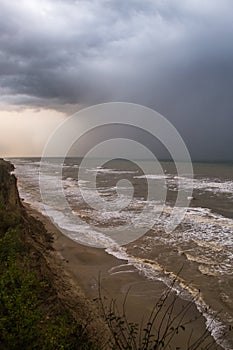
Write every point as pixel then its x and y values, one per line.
pixel 152 177
pixel 205 184
pixel 109 171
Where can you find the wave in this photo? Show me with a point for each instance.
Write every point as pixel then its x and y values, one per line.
pixel 155 271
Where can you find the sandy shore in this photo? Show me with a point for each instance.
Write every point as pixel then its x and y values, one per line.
pixel 86 264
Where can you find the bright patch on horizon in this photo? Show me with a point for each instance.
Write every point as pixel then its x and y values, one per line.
pixel 25 132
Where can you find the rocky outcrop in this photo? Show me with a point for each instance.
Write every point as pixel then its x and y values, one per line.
pixel 9 196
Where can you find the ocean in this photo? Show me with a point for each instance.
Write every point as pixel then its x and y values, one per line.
pixel 199 250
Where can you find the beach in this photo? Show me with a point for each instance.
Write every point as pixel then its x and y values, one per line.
pixel 93 267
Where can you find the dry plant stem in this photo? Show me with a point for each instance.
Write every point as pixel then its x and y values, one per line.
pixel 129 336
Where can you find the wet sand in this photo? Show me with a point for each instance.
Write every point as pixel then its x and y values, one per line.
pixel 90 267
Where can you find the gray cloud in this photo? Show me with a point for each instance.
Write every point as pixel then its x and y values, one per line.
pixel 175 56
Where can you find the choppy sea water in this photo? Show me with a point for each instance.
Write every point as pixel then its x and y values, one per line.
pixel 200 248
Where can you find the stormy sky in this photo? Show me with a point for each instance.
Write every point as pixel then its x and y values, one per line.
pixel 175 56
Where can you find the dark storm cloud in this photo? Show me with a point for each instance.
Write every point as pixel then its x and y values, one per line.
pixel 175 56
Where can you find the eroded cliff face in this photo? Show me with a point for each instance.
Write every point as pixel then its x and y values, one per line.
pixel 9 196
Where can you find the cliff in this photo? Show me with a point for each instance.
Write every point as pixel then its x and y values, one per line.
pixel 41 307
pixel 9 197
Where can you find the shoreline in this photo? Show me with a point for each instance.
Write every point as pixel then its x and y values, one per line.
pixel 117 278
